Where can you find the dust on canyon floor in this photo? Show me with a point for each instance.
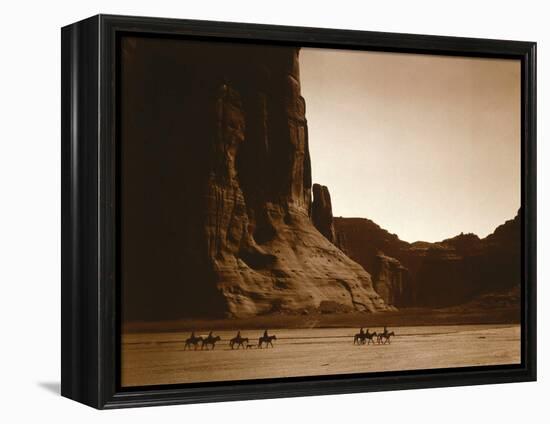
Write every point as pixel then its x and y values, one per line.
pixel 152 357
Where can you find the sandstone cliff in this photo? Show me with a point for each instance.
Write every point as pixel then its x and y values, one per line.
pixel 265 253
pixel 246 242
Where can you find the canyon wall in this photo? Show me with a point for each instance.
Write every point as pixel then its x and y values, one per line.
pixel 242 236
pixel 451 272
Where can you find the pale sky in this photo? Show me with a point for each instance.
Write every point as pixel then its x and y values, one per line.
pixel 425 146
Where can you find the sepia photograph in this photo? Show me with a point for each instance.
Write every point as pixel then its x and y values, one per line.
pixel 280 212
pixel 289 211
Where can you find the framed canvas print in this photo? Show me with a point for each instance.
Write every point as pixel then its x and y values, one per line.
pixel 254 211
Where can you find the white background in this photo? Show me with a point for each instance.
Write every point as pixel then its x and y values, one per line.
pixel 30 211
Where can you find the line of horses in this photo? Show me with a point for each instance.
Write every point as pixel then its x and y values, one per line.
pixel 209 341
pixel 366 337
pixel 235 343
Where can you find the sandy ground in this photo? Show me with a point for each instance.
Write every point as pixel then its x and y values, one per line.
pixel 160 358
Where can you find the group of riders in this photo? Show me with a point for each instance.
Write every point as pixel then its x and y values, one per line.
pixel 366 337
pixel 235 343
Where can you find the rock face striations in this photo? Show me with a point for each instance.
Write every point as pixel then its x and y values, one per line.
pixel 264 252
pixel 249 245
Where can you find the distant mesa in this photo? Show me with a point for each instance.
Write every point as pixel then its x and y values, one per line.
pixel 451 272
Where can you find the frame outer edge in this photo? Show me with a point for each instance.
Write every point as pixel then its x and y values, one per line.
pixel 80 338
pixel 88 172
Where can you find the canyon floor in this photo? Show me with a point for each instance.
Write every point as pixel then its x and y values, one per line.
pixel 153 358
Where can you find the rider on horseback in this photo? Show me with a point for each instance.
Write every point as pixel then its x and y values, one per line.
pixel 267 339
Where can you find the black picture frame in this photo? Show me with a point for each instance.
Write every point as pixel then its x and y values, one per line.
pixel 90 296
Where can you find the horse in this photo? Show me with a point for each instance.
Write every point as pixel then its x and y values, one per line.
pixel 369 337
pixel 210 340
pixel 193 340
pixel 268 340
pixel 239 341
pixel 385 336
pixel 359 338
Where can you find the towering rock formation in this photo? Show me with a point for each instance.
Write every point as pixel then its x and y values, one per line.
pixel 246 241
